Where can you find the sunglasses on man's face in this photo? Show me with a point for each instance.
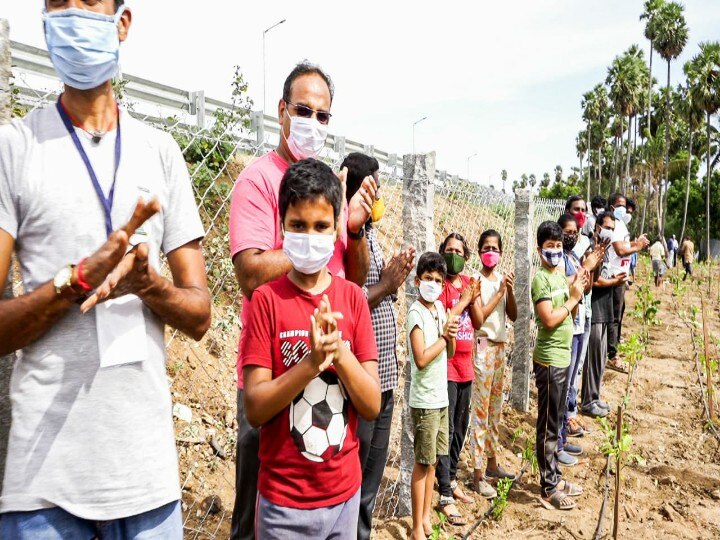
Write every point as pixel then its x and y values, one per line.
pixel 304 111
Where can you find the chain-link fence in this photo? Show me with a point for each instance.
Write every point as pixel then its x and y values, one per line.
pixel 203 375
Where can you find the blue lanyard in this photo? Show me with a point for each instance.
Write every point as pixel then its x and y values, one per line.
pixel 107 202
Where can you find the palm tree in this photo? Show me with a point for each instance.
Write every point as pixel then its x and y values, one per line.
pixel 703 73
pixel 626 77
pixel 581 148
pixel 590 114
pixel 651 8
pixel 693 115
pixel 670 33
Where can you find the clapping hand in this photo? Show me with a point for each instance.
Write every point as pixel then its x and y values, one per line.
pixel 451 325
pixel 596 256
pixel 471 291
pixel 577 290
pixel 510 281
pixel 324 336
pixel 111 268
pixel 397 269
pixel 360 206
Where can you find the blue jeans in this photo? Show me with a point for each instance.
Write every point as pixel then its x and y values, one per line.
pixel 164 523
pixel 573 394
pixel 571 397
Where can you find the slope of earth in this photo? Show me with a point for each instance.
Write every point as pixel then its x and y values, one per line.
pixel 675 493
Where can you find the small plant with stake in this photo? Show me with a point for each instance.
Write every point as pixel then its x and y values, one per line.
pixel 617 445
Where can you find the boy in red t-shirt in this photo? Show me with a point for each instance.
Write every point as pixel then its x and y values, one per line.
pixel 460 295
pixel 310 367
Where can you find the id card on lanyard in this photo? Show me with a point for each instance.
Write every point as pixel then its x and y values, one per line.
pixel 120 323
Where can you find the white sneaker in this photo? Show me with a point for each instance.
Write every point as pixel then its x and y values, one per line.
pixel 485 489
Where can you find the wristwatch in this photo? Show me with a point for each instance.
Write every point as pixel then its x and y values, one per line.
pixel 358 235
pixel 63 282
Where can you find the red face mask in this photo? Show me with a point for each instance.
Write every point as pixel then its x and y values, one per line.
pixel 580 218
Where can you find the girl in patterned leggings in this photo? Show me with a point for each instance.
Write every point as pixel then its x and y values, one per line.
pixel 498 302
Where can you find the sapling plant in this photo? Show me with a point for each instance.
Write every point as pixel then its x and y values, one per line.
pixel 500 503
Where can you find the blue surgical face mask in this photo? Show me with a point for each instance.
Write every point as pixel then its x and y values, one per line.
pixel 552 256
pixel 84 46
pixel 620 213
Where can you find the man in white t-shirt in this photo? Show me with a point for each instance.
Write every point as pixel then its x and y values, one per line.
pixel 618 257
pixel 91 451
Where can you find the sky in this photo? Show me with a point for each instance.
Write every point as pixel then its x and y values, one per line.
pixel 502 80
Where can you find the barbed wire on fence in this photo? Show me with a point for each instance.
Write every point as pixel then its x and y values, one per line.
pixel 202 375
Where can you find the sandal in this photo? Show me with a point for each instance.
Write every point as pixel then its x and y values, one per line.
pixel 459 494
pixel 571 490
pixel 617 365
pixel 453 518
pixel 558 501
pixel 574 428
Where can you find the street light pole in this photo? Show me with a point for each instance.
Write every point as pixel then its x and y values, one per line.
pixel 265 32
pixel 468 164
pixel 415 124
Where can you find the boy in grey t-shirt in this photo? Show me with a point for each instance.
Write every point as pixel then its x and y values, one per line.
pixel 431 339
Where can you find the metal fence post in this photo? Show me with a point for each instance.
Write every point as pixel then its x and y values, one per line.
pixel 418 195
pixel 340 147
pixel 521 355
pixel 257 124
pixel 6 362
pixel 197 107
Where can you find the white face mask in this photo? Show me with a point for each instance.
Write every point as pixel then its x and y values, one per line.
pixel 627 218
pixel 606 234
pixel 307 137
pixel 430 290
pixel 309 253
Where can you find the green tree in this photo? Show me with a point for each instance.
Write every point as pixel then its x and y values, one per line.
pixel 651 8
pixel 703 73
pixel 596 114
pixel 504 176
pixel 693 116
pixel 626 78
pixel 581 148
pixel 670 33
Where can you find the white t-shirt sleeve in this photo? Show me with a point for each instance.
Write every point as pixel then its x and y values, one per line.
pixel 621 233
pixel 9 216
pixel 181 218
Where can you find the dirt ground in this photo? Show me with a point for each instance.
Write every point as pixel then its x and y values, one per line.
pixel 674 494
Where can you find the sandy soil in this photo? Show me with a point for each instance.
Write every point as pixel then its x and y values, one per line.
pixel 674 494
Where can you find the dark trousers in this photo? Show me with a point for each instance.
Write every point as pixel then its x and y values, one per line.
pixel 594 365
pixel 688 270
pixel 247 464
pixel 374 445
pixel 551 383
pixel 459 395
pixel 615 327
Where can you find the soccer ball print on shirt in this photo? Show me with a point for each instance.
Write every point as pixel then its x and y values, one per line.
pixel 319 418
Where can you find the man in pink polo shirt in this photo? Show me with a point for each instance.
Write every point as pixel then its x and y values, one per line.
pixel 256 239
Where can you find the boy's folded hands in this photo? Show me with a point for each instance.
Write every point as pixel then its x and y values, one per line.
pixel 324 335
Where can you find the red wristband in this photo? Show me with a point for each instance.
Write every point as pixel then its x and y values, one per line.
pixel 84 285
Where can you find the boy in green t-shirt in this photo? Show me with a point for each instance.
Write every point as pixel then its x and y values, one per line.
pixel 431 337
pixel 554 305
